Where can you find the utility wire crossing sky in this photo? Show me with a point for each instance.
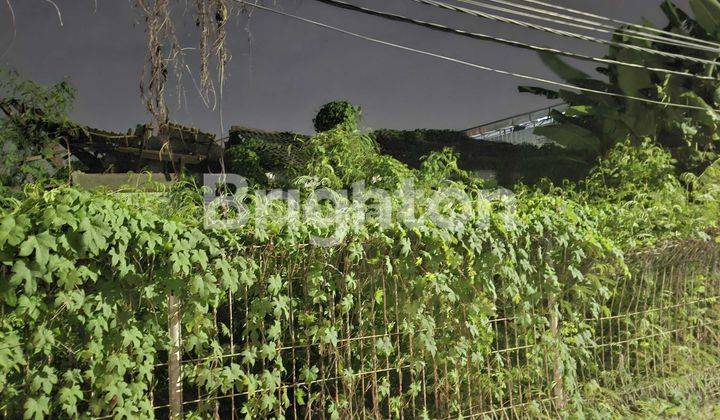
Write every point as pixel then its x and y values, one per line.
pixel 478 67
pixel 283 70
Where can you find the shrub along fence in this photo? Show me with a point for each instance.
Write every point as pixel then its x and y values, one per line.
pixel 659 333
pixel 529 315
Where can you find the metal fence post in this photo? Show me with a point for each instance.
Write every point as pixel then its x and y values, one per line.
pixel 174 374
pixel 558 386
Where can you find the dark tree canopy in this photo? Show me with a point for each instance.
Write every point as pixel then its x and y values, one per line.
pixel 335 113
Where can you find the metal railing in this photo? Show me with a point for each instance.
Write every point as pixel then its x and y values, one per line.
pixel 517 129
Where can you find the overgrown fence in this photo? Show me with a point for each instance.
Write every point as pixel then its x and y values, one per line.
pixel 112 308
pixel 657 335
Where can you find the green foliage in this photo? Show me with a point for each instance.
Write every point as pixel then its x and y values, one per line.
pixel 28 136
pixel 245 160
pixel 640 199
pixel 337 113
pixel 383 154
pixel 85 275
pixel 510 163
pixel 257 159
pixel 707 13
pixel 84 278
pixel 594 123
pixel 341 156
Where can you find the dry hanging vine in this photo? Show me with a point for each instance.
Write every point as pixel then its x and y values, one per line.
pixel 165 60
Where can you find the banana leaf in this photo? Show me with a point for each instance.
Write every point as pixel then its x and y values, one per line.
pixel 570 136
pixel 707 14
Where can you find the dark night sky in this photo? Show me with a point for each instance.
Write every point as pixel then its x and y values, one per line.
pixel 278 80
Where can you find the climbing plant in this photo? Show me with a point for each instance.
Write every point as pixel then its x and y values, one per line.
pixel 287 327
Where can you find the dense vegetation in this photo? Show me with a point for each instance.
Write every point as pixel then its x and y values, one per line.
pixel 567 299
pixel 508 164
pixel 85 274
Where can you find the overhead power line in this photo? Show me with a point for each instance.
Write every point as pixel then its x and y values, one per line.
pixel 577 22
pixel 624 28
pixel 640 28
pixel 518 44
pixel 561 32
pixel 472 65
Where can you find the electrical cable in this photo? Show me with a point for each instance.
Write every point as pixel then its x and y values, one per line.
pixel 517 44
pixel 561 32
pixel 597 27
pixel 468 64
pixel 640 28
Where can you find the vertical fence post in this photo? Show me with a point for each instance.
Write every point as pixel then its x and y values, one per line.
pixel 174 374
pixel 558 387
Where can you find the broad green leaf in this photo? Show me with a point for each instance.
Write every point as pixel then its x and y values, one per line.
pixel 379 294
pixel 709 116
pixel 93 238
pixel 249 356
pixel 550 94
pixel 37 408
pixel 28 246
pixel 707 14
pixel 570 136
pixel 330 336
pixel 275 284
pixel 632 80
pixel 561 68
pixel 11 231
pixel 21 273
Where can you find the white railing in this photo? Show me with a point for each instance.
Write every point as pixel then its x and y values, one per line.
pixel 518 129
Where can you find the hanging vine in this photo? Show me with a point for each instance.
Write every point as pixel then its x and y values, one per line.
pixel 165 58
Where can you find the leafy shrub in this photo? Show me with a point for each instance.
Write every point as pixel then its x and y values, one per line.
pixel 84 278
pixel 28 138
pixel 511 163
pixel 337 113
pixel 341 156
pixel 257 159
pixel 442 166
pixel 85 275
pixel 245 160
pixel 641 199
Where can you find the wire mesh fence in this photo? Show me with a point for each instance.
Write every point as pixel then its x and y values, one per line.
pixel 337 340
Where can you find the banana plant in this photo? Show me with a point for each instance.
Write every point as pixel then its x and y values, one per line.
pixel 594 122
